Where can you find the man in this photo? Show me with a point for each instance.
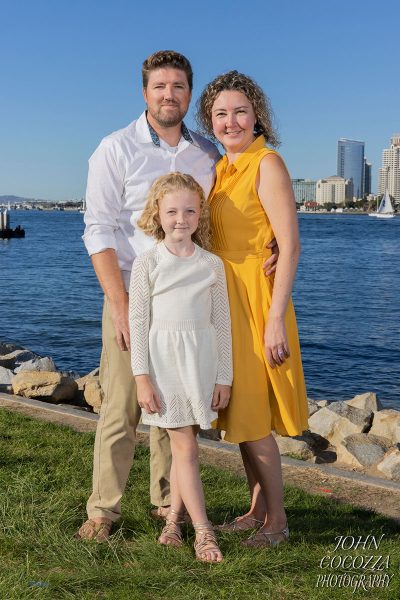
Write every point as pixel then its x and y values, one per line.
pixel 121 171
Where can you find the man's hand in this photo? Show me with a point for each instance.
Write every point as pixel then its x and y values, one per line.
pixel 269 266
pixel 105 264
pixel 221 396
pixel 148 398
pixel 120 319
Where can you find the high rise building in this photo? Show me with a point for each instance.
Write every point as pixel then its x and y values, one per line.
pixel 389 173
pixel 304 190
pixel 332 190
pixel 350 164
pixel 367 177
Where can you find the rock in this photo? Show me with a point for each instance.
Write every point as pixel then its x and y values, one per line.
pixel 312 406
pixel 367 401
pixel 92 393
pixel 13 359
pixel 5 376
pixel 8 347
pixel 210 434
pixel 323 421
pixel 294 446
pixel 357 416
pixel 367 449
pixel 346 458
pixel 390 465
pixel 386 423
pixel 37 364
pixel 82 380
pixel 322 403
pixel 44 384
pixel 338 420
pixel 73 374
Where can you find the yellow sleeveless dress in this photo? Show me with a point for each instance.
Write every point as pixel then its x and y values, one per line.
pixel 262 398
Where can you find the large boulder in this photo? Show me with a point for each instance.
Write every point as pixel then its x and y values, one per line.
pixel 366 449
pixel 37 363
pixel 367 401
pixel 92 393
pixel 294 446
pixel 338 420
pixel 390 465
pixel 386 423
pixel 46 385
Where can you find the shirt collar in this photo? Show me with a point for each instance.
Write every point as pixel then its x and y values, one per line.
pixel 245 157
pixel 146 133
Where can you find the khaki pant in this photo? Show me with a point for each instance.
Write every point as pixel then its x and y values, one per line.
pixel 116 432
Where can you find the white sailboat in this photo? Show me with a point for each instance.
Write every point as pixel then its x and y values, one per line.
pixel 385 208
pixel 83 208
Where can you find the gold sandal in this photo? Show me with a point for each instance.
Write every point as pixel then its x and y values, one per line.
pixel 236 525
pixel 206 543
pixel 171 534
pixel 162 512
pixel 265 539
pixel 91 530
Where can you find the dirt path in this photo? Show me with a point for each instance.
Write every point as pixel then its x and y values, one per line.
pixel 362 493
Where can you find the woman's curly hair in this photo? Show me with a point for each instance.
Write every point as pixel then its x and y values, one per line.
pixel 235 81
pixel 150 220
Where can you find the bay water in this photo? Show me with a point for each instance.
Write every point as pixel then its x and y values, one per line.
pixel 346 295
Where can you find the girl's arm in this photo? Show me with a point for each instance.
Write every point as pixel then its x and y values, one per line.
pixel 139 322
pixel 276 195
pixel 220 318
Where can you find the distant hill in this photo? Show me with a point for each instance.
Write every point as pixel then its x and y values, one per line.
pixel 15 199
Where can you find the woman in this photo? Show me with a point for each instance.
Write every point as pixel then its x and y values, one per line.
pixel 251 203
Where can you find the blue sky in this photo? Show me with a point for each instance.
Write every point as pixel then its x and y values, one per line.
pixel 70 74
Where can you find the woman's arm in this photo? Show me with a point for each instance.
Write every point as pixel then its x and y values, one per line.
pixel 276 195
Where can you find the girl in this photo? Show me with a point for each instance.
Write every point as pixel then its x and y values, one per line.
pixel 181 341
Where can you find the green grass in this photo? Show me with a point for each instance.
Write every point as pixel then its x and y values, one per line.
pixel 45 474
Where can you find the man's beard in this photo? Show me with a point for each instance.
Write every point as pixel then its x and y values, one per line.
pixel 171 121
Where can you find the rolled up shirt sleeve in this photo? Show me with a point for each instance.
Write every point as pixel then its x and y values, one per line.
pixel 105 187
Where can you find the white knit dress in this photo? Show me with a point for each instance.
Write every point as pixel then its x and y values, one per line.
pixel 180 332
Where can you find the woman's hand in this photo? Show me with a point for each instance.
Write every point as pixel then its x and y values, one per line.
pixel 148 398
pixel 221 396
pixel 275 342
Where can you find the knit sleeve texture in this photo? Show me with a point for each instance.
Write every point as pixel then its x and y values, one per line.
pixel 221 320
pixel 139 314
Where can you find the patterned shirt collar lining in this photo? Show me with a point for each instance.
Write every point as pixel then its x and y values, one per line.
pixel 156 140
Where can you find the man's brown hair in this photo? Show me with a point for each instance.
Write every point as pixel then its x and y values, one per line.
pixel 163 59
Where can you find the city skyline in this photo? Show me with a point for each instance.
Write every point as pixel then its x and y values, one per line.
pixel 72 76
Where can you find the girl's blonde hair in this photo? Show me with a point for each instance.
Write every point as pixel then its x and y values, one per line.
pixel 150 221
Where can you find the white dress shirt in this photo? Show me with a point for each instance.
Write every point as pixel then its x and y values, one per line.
pixel 121 171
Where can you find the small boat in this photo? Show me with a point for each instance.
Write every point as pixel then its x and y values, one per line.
pixel 385 208
pixel 82 210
